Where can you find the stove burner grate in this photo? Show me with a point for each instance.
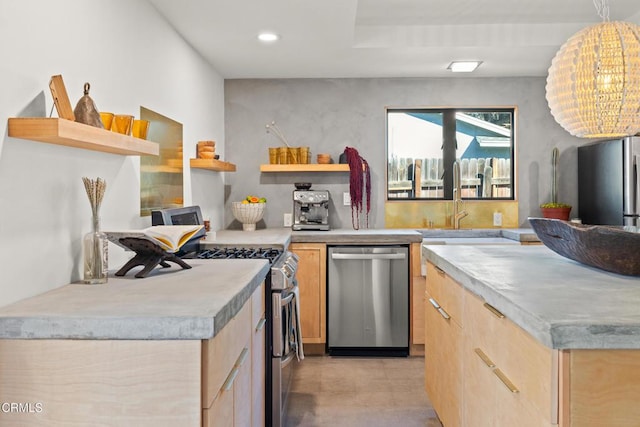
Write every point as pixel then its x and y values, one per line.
pixel 270 254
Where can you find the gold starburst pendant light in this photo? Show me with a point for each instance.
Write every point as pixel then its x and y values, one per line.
pixel 593 86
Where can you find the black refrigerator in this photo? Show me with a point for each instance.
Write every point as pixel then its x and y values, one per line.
pixel 608 182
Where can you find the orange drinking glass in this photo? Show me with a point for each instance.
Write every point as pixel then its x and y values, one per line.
pixel 122 123
pixel 107 120
pixel 140 128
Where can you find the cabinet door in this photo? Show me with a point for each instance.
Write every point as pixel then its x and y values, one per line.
pixel 258 359
pixel 220 414
pixel 417 297
pixel 443 363
pixel 312 282
pixel 242 403
pixel 479 392
pixel 511 367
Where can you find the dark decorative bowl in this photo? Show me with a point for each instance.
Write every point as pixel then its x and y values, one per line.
pixel 605 247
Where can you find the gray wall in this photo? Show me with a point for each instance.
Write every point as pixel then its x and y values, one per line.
pixel 330 114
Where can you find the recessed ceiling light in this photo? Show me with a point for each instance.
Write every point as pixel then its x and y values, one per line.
pixel 463 66
pixel 268 37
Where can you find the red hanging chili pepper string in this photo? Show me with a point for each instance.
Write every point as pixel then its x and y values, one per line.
pixel 359 179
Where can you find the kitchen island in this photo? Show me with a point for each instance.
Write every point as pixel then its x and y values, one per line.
pixel 145 352
pixel 530 338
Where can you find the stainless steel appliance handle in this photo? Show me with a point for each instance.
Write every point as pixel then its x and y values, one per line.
pixel 367 256
pixel 287 360
pixel 278 344
pixel 276 336
pixel 286 300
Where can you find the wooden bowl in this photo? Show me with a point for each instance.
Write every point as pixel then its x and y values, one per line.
pixel 324 158
pixel 605 247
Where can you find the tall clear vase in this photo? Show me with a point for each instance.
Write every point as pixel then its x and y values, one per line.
pixel 94 247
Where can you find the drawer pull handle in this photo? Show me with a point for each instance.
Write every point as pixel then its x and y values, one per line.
pixel 506 381
pixel 228 384
pixel 493 310
pixel 435 305
pixel 440 271
pixel 261 324
pixel 242 357
pixel 485 358
pixel 444 313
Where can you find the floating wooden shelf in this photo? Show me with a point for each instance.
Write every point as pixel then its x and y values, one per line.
pixel 72 134
pixel 332 167
pixel 212 165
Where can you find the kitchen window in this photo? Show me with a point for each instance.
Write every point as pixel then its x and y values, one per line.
pixel 423 143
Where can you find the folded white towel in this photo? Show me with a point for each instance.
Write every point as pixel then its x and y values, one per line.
pixel 298 326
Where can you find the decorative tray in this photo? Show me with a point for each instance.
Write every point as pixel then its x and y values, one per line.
pixel 605 247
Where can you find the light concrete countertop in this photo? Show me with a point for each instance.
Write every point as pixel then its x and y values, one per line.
pixel 275 237
pixel 170 303
pixel 363 236
pixel 563 304
pixel 517 234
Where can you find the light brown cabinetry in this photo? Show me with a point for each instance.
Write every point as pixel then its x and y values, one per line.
pixel 312 282
pixel 481 370
pixel 232 383
pixel 443 345
pixel 510 378
pixel 187 383
pixel 93 382
pixel 417 300
pixel 258 354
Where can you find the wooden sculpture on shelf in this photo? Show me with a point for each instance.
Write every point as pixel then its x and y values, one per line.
pixel 86 111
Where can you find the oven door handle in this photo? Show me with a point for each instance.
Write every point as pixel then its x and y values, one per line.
pixel 287 360
pixel 286 300
pixel 367 256
pixel 278 337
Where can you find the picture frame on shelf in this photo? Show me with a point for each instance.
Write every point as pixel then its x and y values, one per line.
pixel 61 98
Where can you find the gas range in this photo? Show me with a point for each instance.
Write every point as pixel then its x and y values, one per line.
pixel 284 264
pixel 270 254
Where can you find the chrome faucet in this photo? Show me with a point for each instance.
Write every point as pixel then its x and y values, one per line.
pixel 457 196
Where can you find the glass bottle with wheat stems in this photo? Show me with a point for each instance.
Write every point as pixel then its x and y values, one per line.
pixel 95 246
pixel 95 243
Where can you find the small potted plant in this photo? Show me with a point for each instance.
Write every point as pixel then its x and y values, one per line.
pixel 554 209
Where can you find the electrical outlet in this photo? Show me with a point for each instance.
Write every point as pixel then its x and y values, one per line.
pixel 346 198
pixel 288 220
pixel 497 219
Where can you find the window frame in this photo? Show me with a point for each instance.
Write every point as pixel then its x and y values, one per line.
pixel 447 175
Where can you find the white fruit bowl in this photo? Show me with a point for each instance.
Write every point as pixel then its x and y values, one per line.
pixel 248 214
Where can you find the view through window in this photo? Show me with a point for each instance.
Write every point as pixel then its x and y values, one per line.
pixel 423 143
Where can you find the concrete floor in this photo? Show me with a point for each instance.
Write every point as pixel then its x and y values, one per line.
pixel 371 392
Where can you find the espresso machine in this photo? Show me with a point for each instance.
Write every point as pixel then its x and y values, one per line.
pixel 310 208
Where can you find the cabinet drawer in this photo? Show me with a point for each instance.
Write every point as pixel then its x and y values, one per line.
pixel 517 358
pixel 220 353
pixel 446 292
pixel 220 414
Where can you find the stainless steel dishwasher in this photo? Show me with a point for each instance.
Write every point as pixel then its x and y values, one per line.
pixel 368 300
